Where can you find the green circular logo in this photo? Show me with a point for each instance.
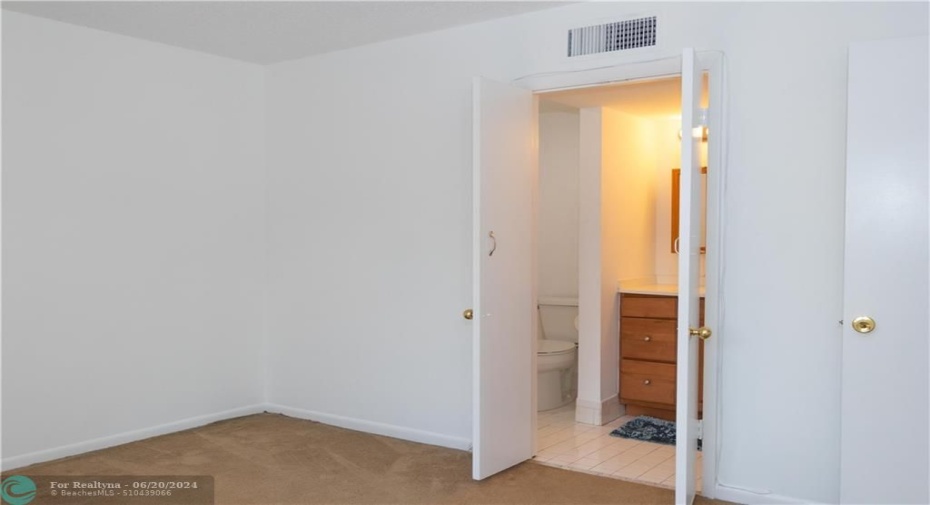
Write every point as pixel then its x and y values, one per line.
pixel 18 490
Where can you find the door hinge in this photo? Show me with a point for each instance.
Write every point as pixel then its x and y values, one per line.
pixel 700 429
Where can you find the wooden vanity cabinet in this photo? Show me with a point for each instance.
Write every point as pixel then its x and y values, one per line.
pixel 648 355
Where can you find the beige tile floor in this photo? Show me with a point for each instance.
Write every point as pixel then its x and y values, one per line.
pixel 563 443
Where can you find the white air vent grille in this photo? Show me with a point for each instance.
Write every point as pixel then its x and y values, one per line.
pixel 629 34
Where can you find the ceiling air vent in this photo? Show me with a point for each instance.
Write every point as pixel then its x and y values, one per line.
pixel 619 36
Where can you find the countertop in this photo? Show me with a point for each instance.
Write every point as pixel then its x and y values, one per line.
pixel 650 288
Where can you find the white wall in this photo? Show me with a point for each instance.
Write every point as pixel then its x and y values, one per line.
pixel 589 405
pixel 370 239
pixel 618 186
pixel 558 204
pixel 371 221
pixel 628 210
pixel 133 216
pixel 628 189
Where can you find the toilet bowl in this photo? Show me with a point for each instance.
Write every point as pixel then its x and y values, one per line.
pixel 557 353
pixel 555 363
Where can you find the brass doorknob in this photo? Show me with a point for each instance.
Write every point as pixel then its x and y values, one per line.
pixel 703 332
pixel 864 324
pixel 468 314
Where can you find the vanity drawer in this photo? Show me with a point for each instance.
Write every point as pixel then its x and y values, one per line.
pixel 663 307
pixel 647 382
pixel 648 339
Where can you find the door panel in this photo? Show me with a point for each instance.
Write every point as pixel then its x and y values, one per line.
pixel 504 308
pixel 884 416
pixel 686 416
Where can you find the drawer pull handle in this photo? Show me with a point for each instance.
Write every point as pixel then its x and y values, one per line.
pixel 647 338
pixel 647 382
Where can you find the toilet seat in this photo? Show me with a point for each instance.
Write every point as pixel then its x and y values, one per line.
pixel 548 347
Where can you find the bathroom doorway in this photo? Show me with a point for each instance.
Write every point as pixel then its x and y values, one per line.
pixel 505 184
pixel 609 159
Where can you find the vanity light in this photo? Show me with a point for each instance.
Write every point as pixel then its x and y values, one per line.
pixel 698 130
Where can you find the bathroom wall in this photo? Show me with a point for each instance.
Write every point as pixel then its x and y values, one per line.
pixel 629 186
pixel 592 390
pixel 617 237
pixel 558 203
pixel 133 238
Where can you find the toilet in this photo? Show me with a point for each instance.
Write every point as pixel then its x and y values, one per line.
pixel 557 352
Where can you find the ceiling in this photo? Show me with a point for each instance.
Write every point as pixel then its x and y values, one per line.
pixel 270 31
pixel 653 97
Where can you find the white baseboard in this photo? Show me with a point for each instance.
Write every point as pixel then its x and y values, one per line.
pixel 377 428
pixel 611 410
pixel 735 495
pixel 123 438
pixel 388 430
pixel 598 413
pixel 587 412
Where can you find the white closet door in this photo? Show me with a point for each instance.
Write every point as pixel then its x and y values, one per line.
pixel 885 412
pixel 504 307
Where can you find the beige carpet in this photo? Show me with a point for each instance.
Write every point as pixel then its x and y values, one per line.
pixel 269 458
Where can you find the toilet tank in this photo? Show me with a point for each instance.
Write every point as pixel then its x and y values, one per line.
pixel 557 318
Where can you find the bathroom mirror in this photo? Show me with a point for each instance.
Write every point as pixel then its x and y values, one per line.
pixel 676 190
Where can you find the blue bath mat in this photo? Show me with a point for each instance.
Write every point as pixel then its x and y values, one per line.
pixel 648 429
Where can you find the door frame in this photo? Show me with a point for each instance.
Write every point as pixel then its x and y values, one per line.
pixel 665 65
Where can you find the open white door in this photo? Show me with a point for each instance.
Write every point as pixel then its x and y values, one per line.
pixel 686 416
pixel 885 414
pixel 504 306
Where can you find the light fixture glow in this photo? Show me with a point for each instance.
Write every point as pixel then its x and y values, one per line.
pixel 696 132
